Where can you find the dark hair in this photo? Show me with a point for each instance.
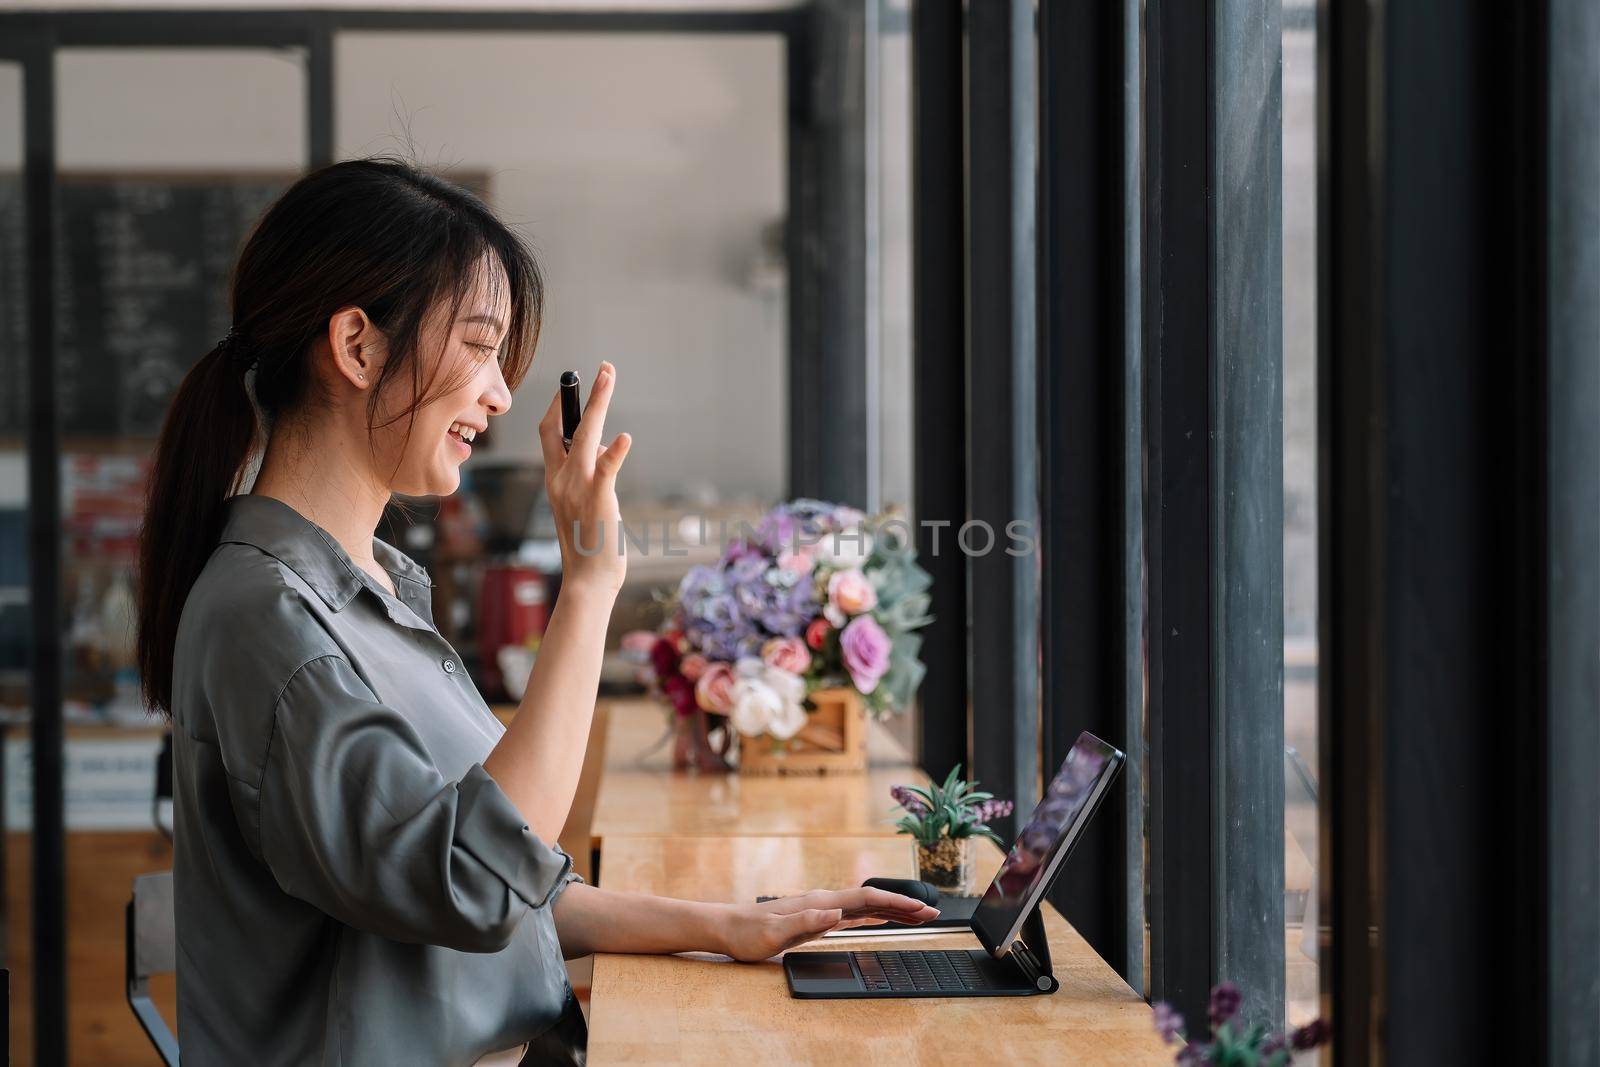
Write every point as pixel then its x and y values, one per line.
pixel 377 233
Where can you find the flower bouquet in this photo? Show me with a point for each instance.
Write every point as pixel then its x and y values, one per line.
pixel 814 608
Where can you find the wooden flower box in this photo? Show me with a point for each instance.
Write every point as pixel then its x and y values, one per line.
pixel 833 740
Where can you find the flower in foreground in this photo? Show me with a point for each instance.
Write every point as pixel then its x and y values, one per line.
pixel 1225 1001
pixel 1169 1024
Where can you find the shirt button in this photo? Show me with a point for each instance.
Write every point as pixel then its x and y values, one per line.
pixel 449 666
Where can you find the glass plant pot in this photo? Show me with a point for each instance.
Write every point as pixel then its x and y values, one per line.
pixel 947 866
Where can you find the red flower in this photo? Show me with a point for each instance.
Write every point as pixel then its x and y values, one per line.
pixel 664 657
pixel 817 633
pixel 680 693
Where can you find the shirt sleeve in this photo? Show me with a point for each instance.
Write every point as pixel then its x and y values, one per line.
pixel 357 820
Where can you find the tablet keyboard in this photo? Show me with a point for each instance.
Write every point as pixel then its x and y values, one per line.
pixel 904 971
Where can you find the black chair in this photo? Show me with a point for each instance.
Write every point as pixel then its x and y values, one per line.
pixel 152 949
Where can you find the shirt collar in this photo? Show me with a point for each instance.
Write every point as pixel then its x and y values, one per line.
pixel 311 552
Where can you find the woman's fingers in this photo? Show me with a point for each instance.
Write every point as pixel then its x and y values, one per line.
pixel 802 926
pixel 861 902
pixel 587 440
pixel 550 436
pixel 609 462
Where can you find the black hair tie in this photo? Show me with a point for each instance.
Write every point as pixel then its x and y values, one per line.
pixel 235 348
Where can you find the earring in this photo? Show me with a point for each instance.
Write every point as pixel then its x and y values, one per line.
pixel 363 377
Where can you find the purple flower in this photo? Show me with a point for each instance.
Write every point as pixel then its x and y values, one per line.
pixel 1169 1024
pixel 1311 1035
pixel 993 809
pixel 908 800
pixel 1195 1055
pixel 1225 1000
pixel 865 648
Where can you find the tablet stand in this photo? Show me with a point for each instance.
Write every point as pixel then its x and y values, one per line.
pixel 1032 952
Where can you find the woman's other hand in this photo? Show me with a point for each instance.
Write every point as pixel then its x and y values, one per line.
pixel 760 931
pixel 582 488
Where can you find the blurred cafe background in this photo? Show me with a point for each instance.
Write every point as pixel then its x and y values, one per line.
pixel 736 202
pixel 650 158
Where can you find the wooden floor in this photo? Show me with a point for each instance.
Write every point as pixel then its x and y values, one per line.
pixel 100 872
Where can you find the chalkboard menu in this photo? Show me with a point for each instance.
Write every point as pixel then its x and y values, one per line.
pixel 142 274
pixel 142 265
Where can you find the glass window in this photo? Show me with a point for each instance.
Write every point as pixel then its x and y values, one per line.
pixel 166 158
pixel 16 846
pixel 1300 510
pixel 648 172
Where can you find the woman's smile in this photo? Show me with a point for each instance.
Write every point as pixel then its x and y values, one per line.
pixel 461 435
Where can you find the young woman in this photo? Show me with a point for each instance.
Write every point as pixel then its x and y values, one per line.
pixel 365 868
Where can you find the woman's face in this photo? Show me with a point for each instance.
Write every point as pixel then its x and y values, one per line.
pixel 460 372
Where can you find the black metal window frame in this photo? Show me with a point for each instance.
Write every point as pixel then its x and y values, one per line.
pixel 1459 376
pixel 1143 336
pixel 827 353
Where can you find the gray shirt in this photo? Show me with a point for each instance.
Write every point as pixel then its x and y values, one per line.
pixel 350 886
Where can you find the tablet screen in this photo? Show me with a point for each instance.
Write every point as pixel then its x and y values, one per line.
pixel 1044 840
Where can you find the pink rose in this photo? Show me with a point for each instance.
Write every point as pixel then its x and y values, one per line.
pixel 714 691
pixel 865 648
pixel 817 633
pixel 796 563
pixel 786 654
pixel 693 666
pixel 638 643
pixel 851 592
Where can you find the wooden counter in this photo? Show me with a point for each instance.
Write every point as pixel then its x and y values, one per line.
pixel 640 796
pixel 695 1009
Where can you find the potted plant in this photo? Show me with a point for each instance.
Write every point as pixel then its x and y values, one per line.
pixel 942 821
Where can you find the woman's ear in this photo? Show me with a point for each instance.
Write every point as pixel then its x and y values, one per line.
pixel 355 344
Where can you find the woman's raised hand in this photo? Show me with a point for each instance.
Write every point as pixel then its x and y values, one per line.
pixel 582 488
pixel 761 931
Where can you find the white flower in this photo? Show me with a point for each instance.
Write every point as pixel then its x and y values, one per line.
pixel 768 703
pixel 850 547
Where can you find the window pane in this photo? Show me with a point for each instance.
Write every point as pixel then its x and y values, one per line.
pixel 647 171
pixel 15 859
pixel 166 158
pixel 1299 510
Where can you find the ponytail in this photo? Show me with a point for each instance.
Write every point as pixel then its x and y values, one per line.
pixel 205 440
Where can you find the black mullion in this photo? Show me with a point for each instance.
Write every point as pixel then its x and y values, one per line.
pixel 161 27
pixel 939 355
pixel 1081 477
pixel 1351 412
pixel 44 560
pixel 827 255
pixel 1438 526
pixel 1177 360
pixel 319 92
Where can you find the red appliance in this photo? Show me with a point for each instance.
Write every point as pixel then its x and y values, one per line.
pixel 513 605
